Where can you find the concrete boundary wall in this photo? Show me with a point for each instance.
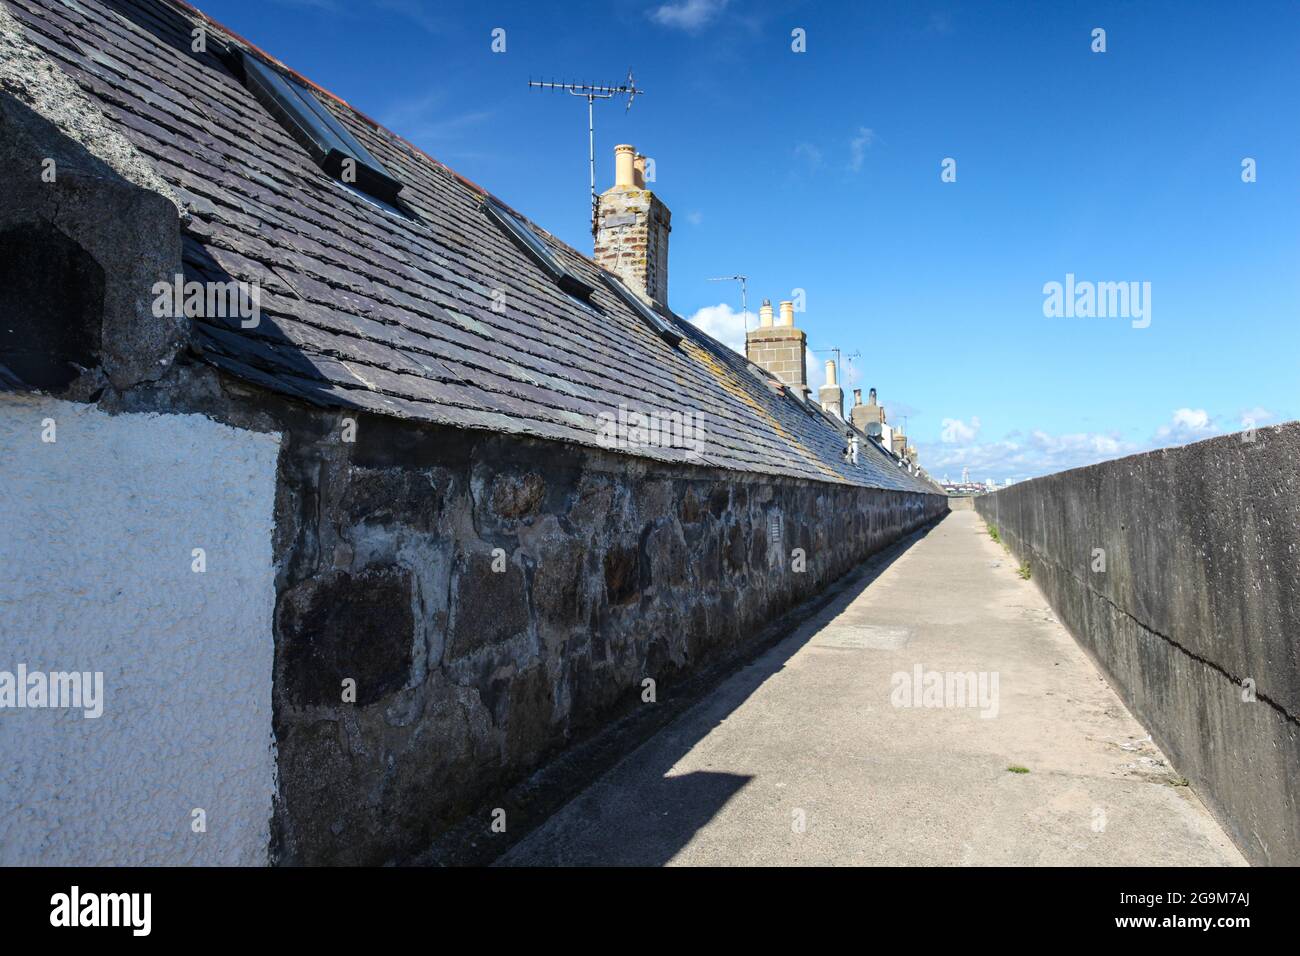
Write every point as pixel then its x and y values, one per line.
pixel 1179 571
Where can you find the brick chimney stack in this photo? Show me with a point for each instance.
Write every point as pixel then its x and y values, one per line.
pixel 632 226
pixel 779 347
pixel 831 396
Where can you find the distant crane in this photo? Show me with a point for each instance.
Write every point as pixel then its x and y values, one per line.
pixel 593 93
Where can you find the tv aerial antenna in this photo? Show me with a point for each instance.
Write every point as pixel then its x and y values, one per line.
pixel 593 92
pixel 744 294
pixel 840 355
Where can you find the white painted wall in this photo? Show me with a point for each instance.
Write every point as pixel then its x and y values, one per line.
pixel 95 575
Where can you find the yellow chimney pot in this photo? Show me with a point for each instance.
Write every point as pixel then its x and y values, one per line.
pixel 624 166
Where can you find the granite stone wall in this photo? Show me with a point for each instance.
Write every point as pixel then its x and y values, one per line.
pixel 496 598
pixel 1179 571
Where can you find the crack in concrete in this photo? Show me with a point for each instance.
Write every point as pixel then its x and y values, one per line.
pixel 1172 642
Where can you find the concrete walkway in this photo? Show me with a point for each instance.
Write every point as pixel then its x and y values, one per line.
pixel 803 757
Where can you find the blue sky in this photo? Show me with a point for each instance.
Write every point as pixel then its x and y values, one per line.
pixel 821 170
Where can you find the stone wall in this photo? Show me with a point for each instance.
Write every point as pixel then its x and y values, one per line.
pixel 498 598
pixel 1179 571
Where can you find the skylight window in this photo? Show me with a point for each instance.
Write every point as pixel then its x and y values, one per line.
pixel 652 318
pixel 316 129
pixel 537 250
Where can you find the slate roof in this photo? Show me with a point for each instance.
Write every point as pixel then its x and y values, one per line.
pixel 365 309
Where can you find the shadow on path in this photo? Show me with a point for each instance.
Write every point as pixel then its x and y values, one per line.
pixel 683 803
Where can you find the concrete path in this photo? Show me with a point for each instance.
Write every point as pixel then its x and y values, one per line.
pixel 803 757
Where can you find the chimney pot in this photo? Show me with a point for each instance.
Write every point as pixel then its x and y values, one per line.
pixel 624 165
pixel 765 313
pixel 787 313
pixel 638 171
pixel 831 396
pixel 867 417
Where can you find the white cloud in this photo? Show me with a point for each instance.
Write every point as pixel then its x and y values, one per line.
pixel 1019 456
pixel 1187 425
pixel 816 369
pixel 1194 420
pixel 955 431
pixel 1254 416
pixel 688 15
pixel 723 323
pixel 858 147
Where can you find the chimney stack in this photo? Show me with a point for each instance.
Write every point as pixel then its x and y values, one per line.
pixel 899 442
pixel 831 396
pixel 865 416
pixel 632 226
pixel 780 348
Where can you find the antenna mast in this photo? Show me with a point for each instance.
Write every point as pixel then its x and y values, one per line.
pixel 593 93
pixel 839 363
pixel 744 295
pixel 838 360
